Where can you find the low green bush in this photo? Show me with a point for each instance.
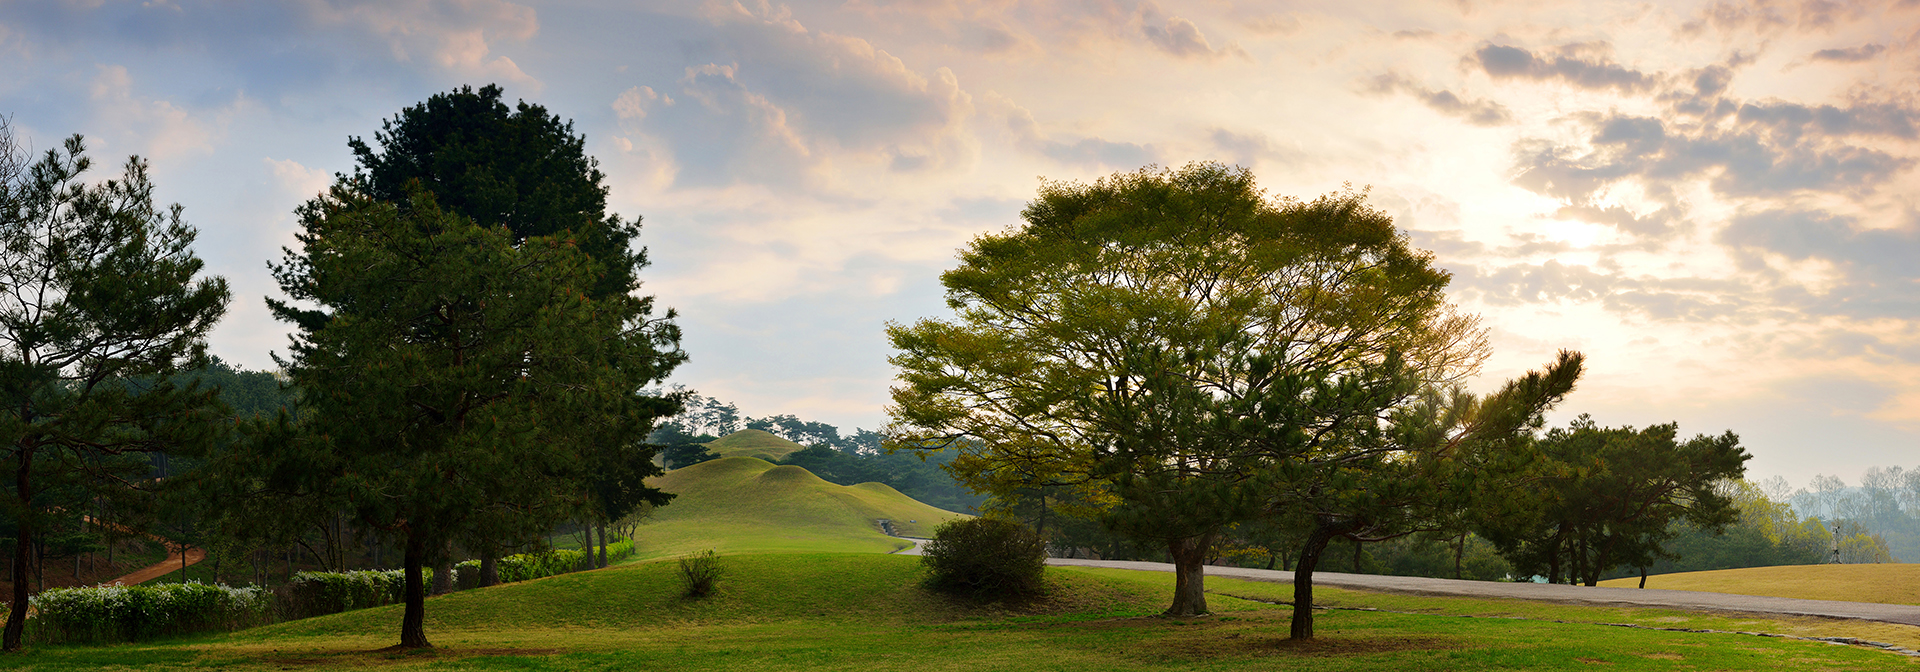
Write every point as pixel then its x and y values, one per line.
pixel 985 557
pixel 319 593
pixel 699 574
pixel 115 613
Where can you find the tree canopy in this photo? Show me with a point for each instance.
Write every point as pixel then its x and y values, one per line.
pixel 1165 341
pixel 98 286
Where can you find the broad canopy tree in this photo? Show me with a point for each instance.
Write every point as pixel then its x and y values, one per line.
pixel 1172 344
pixel 97 287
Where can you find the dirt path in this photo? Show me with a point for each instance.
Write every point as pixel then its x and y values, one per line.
pixel 168 566
pixel 164 567
pixel 1541 592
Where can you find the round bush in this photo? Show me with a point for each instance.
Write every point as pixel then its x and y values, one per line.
pixel 985 557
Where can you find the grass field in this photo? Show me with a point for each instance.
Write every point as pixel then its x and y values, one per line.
pixel 1884 584
pixel 742 504
pixel 753 443
pixel 868 612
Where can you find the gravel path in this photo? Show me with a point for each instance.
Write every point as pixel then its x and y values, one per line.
pixel 1615 597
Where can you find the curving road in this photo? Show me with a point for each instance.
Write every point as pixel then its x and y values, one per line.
pixel 1542 592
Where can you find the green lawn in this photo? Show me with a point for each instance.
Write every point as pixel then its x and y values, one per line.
pixel 754 443
pixel 868 612
pixel 745 505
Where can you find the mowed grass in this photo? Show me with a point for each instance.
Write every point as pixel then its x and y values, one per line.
pixel 745 505
pixel 753 443
pixel 1884 584
pixel 869 612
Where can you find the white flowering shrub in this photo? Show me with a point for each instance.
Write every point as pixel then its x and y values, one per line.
pixel 114 613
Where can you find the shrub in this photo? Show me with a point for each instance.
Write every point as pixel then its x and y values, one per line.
pixel 699 574
pixel 985 557
pixel 319 593
pixel 118 613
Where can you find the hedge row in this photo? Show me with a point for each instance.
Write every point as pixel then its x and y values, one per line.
pixel 105 614
pixel 530 566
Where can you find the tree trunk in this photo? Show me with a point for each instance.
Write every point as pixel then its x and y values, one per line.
pixel 413 625
pixel 1303 581
pixel 489 569
pixel 1459 549
pixel 1643 578
pixel 603 545
pixel 443 571
pixel 22 546
pixel 1189 574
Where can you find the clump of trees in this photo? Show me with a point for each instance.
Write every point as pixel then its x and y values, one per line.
pixel 99 287
pixel 1187 360
pixel 470 364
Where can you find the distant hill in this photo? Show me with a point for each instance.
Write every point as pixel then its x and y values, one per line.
pixel 754 443
pixel 745 504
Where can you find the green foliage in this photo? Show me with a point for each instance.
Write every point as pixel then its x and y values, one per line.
pixel 98 288
pixel 1613 496
pixel 312 594
pixel 108 614
pixel 530 566
pixel 1182 349
pixel 986 557
pixel 700 574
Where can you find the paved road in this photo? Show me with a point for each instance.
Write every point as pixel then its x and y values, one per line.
pixel 1616 597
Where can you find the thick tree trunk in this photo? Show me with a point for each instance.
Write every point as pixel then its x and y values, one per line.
pixel 603 544
pixel 489 569
pixel 1189 557
pixel 22 547
pixel 413 625
pixel 1303 581
pixel 443 570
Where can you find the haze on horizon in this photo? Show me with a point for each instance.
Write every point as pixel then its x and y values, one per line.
pixel 1715 201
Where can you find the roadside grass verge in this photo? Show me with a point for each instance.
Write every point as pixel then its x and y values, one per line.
pixel 868 612
pixel 1885 583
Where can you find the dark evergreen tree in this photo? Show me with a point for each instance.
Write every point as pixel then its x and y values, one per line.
pixel 97 287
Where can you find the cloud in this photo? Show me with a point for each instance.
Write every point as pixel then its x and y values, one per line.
pixel 1749 160
pixel 786 106
pixel 1476 112
pixel 1790 120
pixel 1851 55
pixel 1082 151
pixel 1251 147
pixel 1179 37
pixel 1503 62
pixel 161 129
pixel 285 46
pixel 296 179
pixel 1876 269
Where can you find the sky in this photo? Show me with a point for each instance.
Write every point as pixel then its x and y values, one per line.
pixel 1717 202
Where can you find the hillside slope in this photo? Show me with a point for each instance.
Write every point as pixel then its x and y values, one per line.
pixel 753 443
pixel 743 505
pixel 1881 584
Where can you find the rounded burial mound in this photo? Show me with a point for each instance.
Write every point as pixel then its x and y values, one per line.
pixel 746 505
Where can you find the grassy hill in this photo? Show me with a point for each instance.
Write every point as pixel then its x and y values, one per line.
pixel 1883 584
pixel 869 612
pixel 743 504
pixel 753 443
